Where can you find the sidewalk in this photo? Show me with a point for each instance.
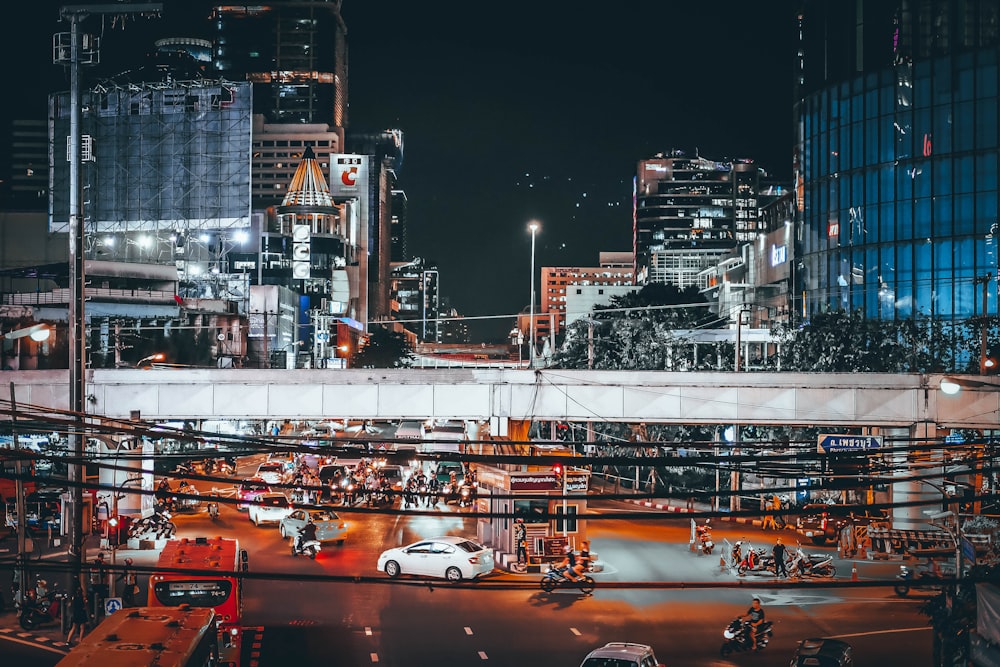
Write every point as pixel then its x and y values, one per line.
pixel 51 636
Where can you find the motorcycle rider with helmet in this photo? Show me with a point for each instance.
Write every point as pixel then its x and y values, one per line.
pixel 570 564
pixel 307 534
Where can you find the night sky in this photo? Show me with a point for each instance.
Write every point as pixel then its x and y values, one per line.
pixel 521 111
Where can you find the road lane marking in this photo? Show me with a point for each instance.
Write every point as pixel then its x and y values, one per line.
pixel 880 632
pixel 368 631
pixel 483 656
pixel 468 630
pixel 575 631
pixel 374 657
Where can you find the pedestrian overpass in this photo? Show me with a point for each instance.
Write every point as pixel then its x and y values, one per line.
pixel 912 404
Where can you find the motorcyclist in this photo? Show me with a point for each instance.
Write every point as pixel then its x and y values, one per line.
pixel 755 618
pixel 569 564
pixel 307 534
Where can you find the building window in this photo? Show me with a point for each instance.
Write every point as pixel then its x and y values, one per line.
pixel 570 521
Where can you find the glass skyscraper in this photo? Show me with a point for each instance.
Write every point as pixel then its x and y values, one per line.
pixel 896 158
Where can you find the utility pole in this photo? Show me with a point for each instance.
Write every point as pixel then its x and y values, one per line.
pixel 22 519
pixel 80 50
pixel 984 325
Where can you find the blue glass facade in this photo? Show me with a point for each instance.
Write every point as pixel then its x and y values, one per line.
pixel 897 179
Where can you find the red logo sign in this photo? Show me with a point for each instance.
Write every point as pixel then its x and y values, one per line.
pixel 349 177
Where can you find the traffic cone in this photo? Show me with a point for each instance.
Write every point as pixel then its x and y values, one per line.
pixel 854 572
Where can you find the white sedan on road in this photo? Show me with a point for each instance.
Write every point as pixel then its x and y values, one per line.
pixel 269 508
pixel 450 557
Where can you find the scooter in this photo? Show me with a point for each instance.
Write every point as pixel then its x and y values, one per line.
pixel 41 612
pixel 467 495
pixel 919 582
pixel 738 639
pixel 556 577
pixel 213 510
pixel 309 548
pixel 813 565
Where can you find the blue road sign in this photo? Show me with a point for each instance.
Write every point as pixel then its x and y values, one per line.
pixel 111 605
pixel 847 443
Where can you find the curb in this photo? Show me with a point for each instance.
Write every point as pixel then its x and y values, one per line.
pixel 15 633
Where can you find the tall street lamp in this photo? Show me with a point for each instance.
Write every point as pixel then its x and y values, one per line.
pixel 533 226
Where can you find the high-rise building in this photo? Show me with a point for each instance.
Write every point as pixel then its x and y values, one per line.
pixel 896 161
pixel 688 213
pixel 416 300
pixel 294 52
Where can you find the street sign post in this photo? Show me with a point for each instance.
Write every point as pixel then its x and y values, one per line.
pixel 111 605
pixel 830 443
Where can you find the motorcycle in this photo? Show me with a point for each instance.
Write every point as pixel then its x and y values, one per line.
pixel 213 510
pixel 467 495
pixel 308 548
pixel 755 560
pixel 41 611
pixel 556 577
pixel 738 639
pixel 918 582
pixel 705 538
pixel 813 565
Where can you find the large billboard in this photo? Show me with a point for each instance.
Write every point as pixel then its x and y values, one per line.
pixel 155 158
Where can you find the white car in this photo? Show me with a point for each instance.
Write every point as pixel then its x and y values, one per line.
pixel 449 557
pixel 269 508
pixel 272 472
pixel 622 654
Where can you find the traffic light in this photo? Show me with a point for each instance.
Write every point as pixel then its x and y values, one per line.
pixel 557 470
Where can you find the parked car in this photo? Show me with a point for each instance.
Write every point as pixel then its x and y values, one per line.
pixel 269 508
pixel 329 526
pixel 621 654
pixel 821 652
pixel 823 523
pixel 251 489
pixel 272 472
pixel 450 557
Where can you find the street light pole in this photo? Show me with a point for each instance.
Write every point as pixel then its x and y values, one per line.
pixel 533 227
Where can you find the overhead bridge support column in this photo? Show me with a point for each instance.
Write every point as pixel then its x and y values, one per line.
pixel 916 454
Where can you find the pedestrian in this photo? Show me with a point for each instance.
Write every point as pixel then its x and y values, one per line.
pixel 521 541
pixel 78 615
pixel 129 587
pixel 98 582
pixel 778 551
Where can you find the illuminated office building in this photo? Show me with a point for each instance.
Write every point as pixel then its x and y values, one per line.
pixel 896 159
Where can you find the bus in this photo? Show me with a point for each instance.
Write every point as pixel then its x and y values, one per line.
pixel 166 637
pixel 204 572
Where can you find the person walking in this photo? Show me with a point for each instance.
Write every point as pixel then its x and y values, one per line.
pixel 129 587
pixel 778 551
pixel 78 615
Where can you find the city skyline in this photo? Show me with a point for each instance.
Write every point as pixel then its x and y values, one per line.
pixel 542 116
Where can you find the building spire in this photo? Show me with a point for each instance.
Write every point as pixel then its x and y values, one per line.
pixel 308 186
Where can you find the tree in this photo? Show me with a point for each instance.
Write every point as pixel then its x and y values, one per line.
pixel 384 349
pixel 637 331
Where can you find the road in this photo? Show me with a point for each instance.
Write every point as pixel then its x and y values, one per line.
pixel 368 619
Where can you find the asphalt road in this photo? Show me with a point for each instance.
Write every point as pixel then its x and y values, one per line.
pixel 366 619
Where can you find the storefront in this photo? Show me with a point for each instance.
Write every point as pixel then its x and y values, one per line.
pixel 535 494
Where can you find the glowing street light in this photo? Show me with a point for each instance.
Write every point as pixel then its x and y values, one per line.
pixel 533 226
pixel 36 332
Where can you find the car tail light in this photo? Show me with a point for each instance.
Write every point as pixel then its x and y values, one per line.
pixel 342 526
pixel 474 560
pixel 823 524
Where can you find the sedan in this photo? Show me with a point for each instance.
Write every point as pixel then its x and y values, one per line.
pixel 329 526
pixel 270 508
pixel 251 489
pixel 450 557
